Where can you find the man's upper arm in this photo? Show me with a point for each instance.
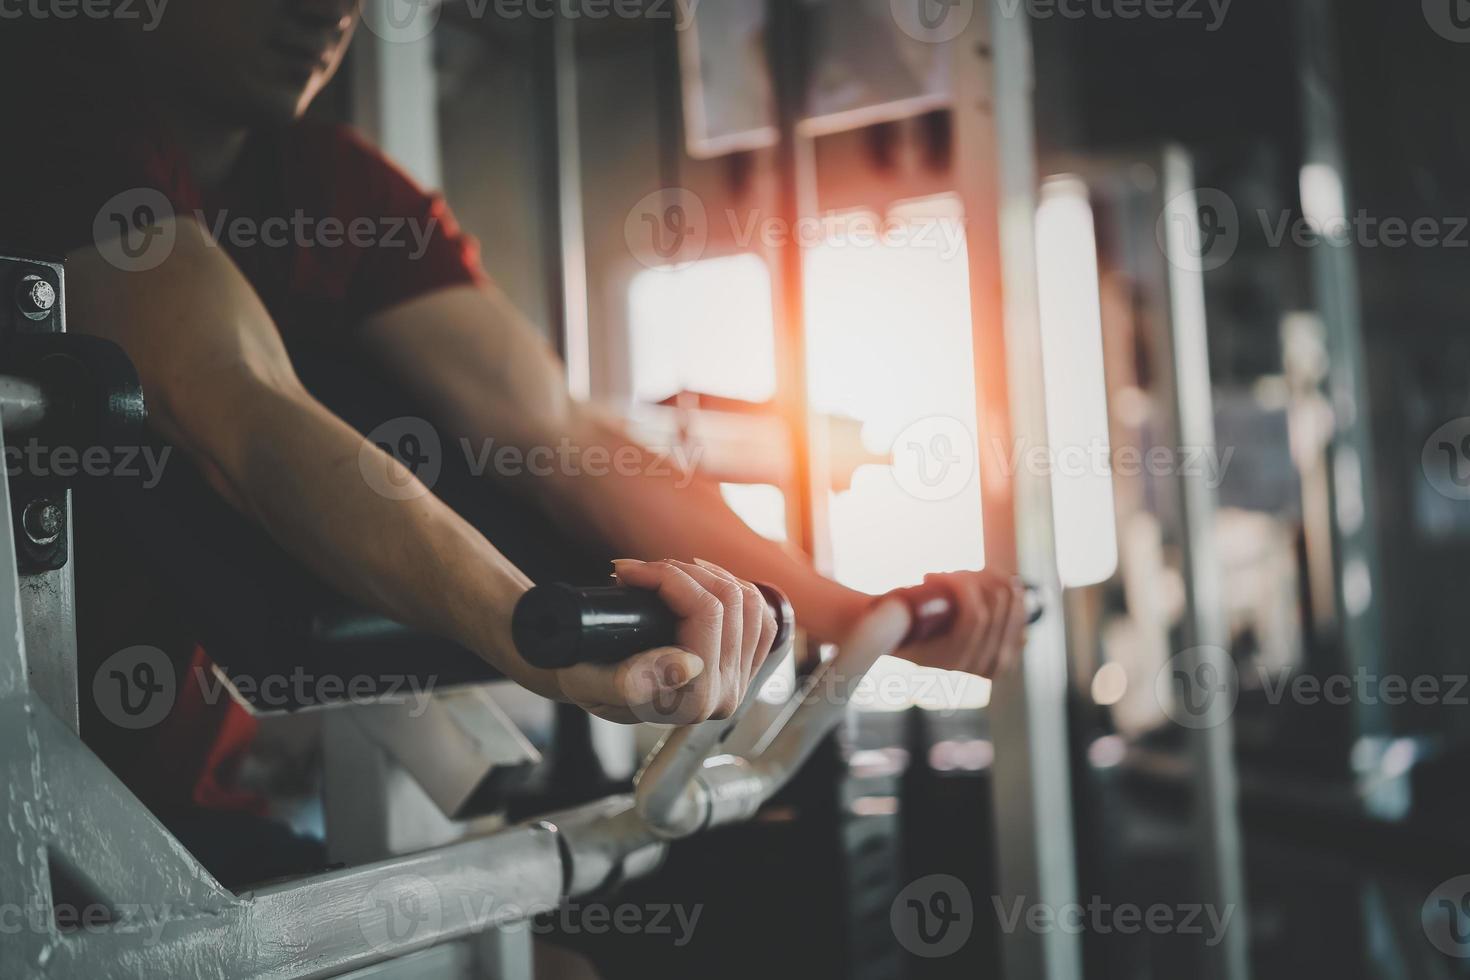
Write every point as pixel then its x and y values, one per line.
pixel 476 363
pixel 200 337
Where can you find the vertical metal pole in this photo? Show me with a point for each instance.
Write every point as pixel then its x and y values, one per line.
pixel 25 883
pixel 1183 380
pixel 567 260
pixel 995 151
pixel 48 598
pixel 1335 283
pixel 796 196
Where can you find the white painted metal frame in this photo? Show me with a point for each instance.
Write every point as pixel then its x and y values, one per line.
pixel 997 178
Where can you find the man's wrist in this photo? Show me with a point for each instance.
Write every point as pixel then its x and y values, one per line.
pixel 831 611
pixel 487 632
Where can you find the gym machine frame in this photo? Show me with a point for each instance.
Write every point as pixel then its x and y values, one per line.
pixel 68 816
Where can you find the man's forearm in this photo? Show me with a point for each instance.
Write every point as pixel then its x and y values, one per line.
pixel 651 514
pixel 309 479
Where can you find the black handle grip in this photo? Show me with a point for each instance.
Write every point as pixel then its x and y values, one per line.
pixel 556 626
pixel 94 397
pixel 932 606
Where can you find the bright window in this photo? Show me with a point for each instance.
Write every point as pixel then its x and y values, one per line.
pixel 703 327
pixel 889 343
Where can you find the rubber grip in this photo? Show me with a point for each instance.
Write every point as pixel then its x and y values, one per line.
pixel 556 626
pixel 932 606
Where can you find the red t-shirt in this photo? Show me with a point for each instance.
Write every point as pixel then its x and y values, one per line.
pixel 326 230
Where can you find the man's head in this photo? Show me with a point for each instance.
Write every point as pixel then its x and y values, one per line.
pixel 248 62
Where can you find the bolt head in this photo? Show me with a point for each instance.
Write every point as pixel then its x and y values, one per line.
pixel 37 297
pixel 42 520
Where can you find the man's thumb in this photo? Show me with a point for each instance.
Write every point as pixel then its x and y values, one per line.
pixel 654 673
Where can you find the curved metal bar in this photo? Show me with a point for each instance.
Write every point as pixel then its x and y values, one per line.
pixel 668 797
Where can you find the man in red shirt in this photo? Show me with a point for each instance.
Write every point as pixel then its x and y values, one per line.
pixel 224 243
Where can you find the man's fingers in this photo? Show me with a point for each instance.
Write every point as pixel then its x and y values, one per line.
pixel 701 615
pixel 723 586
pixel 995 598
pixel 684 596
pixel 753 645
pixel 651 677
pixel 962 645
pixel 1013 641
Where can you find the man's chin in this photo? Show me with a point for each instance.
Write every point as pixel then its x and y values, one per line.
pixel 270 106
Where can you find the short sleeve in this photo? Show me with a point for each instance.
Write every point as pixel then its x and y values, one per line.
pixel 404 240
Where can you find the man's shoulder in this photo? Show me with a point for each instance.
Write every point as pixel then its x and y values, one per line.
pixel 333 138
pixel 340 154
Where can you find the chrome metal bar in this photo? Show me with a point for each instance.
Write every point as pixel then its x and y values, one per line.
pixel 23 405
pixel 1183 378
pixel 1336 290
pixel 669 798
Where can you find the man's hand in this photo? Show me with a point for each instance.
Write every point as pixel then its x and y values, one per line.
pixel 724 635
pixel 989 631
